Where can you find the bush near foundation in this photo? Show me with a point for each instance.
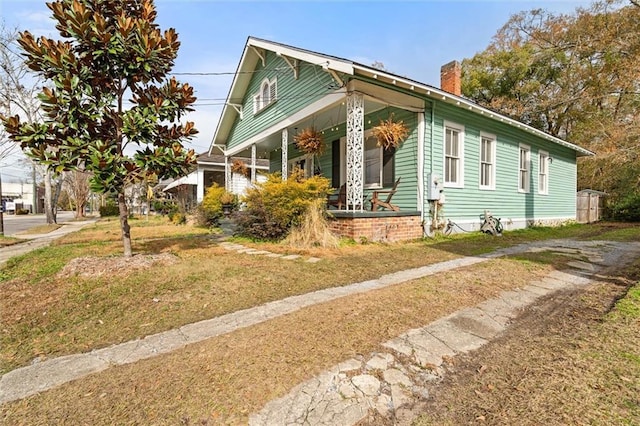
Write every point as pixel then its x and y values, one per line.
pixel 275 206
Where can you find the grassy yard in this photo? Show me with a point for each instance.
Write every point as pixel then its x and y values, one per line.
pixel 48 312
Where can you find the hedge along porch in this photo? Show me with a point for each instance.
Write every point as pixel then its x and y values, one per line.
pixel 280 91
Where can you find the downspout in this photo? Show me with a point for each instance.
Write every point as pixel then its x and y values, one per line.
pixel 431 125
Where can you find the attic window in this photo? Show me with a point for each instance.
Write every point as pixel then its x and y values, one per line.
pixel 266 95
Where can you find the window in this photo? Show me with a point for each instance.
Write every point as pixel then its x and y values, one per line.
pixel 302 163
pixel 487 161
pixel 453 155
pixel 266 95
pixel 372 163
pixel 378 168
pixel 524 168
pixel 543 172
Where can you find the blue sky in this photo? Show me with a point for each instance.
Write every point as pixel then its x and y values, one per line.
pixel 411 38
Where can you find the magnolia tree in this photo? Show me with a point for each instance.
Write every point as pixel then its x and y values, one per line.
pixel 109 107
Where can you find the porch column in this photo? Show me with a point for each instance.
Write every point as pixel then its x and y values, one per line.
pixel 355 150
pixel 285 155
pixel 200 187
pixel 227 174
pixel 253 163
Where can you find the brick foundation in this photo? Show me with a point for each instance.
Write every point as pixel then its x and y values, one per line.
pixel 377 227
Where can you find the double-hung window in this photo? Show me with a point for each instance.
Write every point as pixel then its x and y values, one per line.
pixel 543 172
pixel 487 161
pixel 266 95
pixel 524 169
pixel 378 168
pixel 453 155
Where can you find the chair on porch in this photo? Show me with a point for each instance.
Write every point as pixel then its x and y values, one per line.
pixel 376 201
pixel 339 199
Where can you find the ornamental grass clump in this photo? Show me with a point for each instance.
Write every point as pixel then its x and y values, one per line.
pixel 314 230
pixel 390 133
pixel 310 141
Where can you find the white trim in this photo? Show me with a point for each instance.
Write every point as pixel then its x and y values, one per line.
pixel 309 165
pixel 306 56
pixel 494 142
pixel 524 189
pixel 420 196
pixel 545 161
pixel 461 139
pixel 369 134
pixel 322 103
pixel 459 101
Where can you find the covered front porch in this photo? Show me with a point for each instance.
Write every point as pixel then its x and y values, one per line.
pixel 352 160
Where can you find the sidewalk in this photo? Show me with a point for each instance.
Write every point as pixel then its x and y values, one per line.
pixel 339 397
pixel 36 241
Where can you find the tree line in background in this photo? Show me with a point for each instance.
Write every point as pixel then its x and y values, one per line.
pixel 576 77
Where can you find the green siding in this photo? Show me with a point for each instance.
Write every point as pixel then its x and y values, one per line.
pixel 505 201
pixel 292 95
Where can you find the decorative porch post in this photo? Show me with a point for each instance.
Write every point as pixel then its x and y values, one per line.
pixel 355 150
pixel 253 163
pixel 227 174
pixel 285 155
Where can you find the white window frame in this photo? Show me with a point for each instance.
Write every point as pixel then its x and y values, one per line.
pixel 292 163
pixel 459 182
pixel 543 172
pixel 260 101
pixel 343 167
pixel 524 173
pixel 492 161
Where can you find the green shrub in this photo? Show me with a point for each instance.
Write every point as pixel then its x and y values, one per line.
pixel 22 211
pixel 165 207
pixel 109 209
pixel 209 211
pixel 275 206
pixel 178 218
pixel 625 209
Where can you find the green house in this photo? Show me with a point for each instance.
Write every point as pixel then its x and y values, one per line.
pixel 457 161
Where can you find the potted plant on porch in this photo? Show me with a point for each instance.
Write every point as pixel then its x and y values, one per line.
pixel 228 202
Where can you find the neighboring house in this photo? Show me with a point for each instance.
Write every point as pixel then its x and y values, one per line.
pixel 214 169
pixel 477 158
pixel 190 189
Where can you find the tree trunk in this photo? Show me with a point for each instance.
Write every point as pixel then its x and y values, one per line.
pixel 124 225
pixel 48 198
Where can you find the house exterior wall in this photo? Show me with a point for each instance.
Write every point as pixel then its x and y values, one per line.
pixel 465 204
pixel 292 95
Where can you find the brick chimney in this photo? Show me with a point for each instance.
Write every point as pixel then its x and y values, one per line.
pixel 450 75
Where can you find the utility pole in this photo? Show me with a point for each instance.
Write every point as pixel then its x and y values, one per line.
pixel 35 190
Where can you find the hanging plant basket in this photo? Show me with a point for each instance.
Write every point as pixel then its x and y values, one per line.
pixel 310 141
pixel 239 167
pixel 390 134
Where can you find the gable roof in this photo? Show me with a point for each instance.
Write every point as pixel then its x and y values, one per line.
pixel 333 65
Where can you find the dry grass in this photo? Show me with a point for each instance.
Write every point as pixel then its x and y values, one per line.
pixel 568 362
pixel 223 379
pixel 226 378
pixel 314 230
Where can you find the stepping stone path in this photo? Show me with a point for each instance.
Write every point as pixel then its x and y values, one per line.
pixel 239 248
pixel 388 382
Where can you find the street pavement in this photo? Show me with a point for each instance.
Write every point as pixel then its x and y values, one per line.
pixel 36 241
